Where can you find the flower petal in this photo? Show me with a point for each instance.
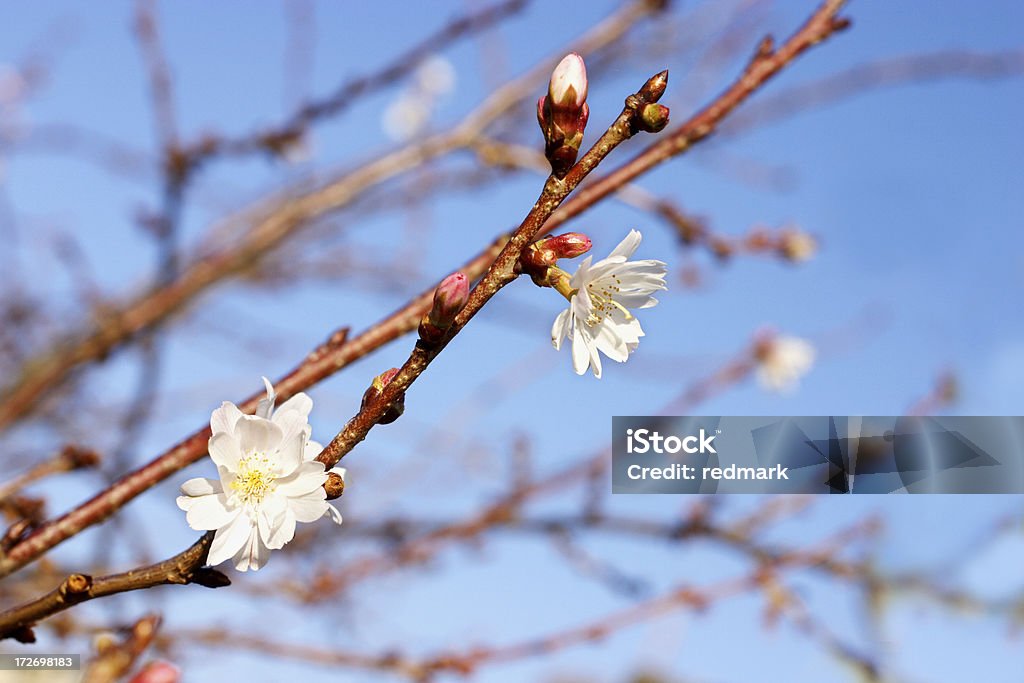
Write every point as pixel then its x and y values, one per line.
pixel 276 533
pixel 334 514
pixel 293 416
pixel 580 340
pixel 309 507
pixel 224 418
pixel 609 340
pixel 207 513
pixel 230 539
pixel 201 486
pixel 311 450
pixel 265 407
pixel 257 435
pixel 309 476
pixel 627 246
pixel 253 555
pixel 560 330
pixel 225 450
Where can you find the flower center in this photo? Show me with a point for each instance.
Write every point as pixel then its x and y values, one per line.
pixel 602 295
pixel 255 478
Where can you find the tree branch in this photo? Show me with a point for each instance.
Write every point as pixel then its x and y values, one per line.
pixel 184 568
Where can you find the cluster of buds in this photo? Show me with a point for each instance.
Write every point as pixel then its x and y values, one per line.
pixel 539 260
pixel 374 391
pixel 562 113
pixel 450 298
pixel 651 117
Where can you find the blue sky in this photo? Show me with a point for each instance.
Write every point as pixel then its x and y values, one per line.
pixel 913 191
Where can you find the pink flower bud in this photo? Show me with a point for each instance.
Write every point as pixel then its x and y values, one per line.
pixel 450 297
pixel 157 672
pixel 569 245
pixel 563 113
pixel 568 86
pixel 374 391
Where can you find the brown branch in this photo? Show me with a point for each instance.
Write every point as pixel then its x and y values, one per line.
pixel 329 359
pixel 501 272
pixel 184 568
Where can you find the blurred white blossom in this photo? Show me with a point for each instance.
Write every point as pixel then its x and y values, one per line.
pixel 409 114
pixel 783 361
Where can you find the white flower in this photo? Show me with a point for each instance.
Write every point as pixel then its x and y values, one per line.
pixel 435 76
pixel 409 114
pixel 782 361
pixel 598 317
pixel 269 480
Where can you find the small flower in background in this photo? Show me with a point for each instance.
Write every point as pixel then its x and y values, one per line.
pixel 600 297
pixel 410 113
pixel 269 480
pixel 797 246
pixel 782 361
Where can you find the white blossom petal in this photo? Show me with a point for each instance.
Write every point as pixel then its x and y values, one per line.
pixel 201 486
pixel 307 477
pixel 229 539
pixel 253 554
pixel 561 329
pixel 265 406
pixel 334 514
pixel 206 513
pixel 257 435
pixel 225 450
pixel 224 418
pixel 627 246
pixel 311 450
pixel 309 507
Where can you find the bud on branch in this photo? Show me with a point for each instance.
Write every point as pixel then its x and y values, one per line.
pixel 450 297
pixel 374 391
pixel 563 112
pixel 544 254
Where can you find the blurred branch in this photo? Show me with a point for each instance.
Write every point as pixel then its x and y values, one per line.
pixel 69 458
pixel 888 72
pixel 115 658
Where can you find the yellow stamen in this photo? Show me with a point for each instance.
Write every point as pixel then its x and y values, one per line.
pixel 255 478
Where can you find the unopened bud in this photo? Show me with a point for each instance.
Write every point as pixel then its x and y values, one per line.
pixel 563 113
pixel 450 297
pixel 568 245
pixel 653 118
pixel 654 88
pixel 568 86
pixel 376 388
pixel 539 258
pixel 335 484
